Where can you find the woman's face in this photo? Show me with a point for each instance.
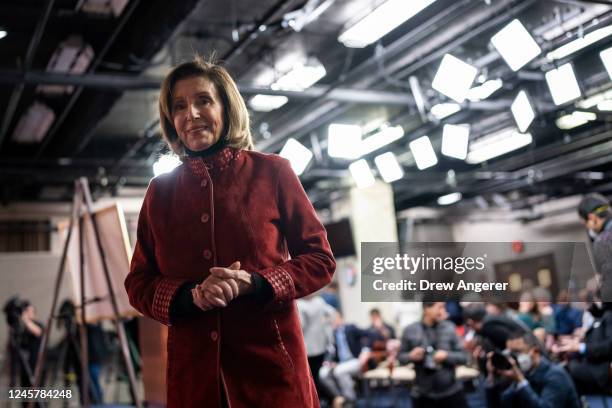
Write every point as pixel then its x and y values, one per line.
pixel 197 112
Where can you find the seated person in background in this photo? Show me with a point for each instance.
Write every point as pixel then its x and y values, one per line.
pixel 536 316
pixel 380 330
pixel 536 382
pixel 497 307
pixel 567 317
pixel 434 348
pixel 350 353
pixel 589 366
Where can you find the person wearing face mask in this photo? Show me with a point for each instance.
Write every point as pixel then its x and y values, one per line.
pixel 536 382
pixel 596 214
pixel 225 244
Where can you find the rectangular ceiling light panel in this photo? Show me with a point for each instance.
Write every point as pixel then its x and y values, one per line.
pixel 362 174
pixel 343 141
pixel 423 152
pixel 516 46
pixel 298 155
pixel 563 84
pixel 389 168
pixel 380 21
pixel 522 111
pixel 454 78
pixel 455 139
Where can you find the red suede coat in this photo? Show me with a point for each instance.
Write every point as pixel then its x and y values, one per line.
pixel 235 205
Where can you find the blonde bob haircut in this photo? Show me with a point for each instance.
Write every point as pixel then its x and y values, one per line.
pixel 236 132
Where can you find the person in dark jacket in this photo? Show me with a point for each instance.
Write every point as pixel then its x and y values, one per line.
pixel 537 383
pixel 596 214
pixel 435 350
pixel 590 363
pixel 380 331
pixel 493 331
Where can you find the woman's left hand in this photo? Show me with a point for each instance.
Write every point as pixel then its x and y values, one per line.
pixel 234 273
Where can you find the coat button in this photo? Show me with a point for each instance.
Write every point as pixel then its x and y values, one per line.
pixel 214 336
pixel 203 183
pixel 207 254
pixel 204 218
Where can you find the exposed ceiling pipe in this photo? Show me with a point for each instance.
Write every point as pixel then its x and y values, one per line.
pixel 251 35
pixel 130 82
pixel 545 163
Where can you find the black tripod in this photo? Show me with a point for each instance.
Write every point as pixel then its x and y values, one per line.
pixel 20 364
pixel 70 358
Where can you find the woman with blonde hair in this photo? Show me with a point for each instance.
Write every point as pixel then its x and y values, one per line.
pixel 225 243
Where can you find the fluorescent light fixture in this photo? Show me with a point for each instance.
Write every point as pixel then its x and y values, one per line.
pixel 301 76
pixel 449 199
pixel 444 110
pixel 343 141
pixel 516 46
pixel 34 124
pixel 423 152
pixel 380 21
pixel 165 164
pixel 382 138
pixel 606 58
pixel 497 144
pixel 563 84
pixel 575 119
pixel 455 141
pixel 482 92
pixel 267 103
pixel 605 105
pixel 454 78
pixel 3 33
pixel 298 155
pixel 522 111
pixel 361 173
pixel 579 43
pixel 388 166
pixel 594 100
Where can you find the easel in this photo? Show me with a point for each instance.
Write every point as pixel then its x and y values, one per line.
pixel 82 196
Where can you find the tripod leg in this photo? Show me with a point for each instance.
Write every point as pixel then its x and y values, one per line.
pixel 84 357
pixel 42 352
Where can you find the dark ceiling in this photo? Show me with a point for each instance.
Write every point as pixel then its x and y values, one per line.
pixel 104 126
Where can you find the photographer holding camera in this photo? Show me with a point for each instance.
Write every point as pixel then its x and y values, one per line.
pixel 435 350
pixel 536 382
pixel 25 333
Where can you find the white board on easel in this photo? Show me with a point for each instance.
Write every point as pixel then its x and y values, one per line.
pixel 116 246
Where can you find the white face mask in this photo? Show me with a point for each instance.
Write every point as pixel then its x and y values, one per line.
pixel 524 362
pixel 592 234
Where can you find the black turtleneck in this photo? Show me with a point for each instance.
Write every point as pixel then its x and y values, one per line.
pixel 220 144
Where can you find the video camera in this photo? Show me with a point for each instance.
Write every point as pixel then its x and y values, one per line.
pixel 501 360
pixel 13 309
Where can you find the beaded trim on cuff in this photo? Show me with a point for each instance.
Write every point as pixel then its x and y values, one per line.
pixel 281 282
pixel 163 297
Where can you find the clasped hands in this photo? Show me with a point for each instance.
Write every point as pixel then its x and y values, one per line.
pixel 222 286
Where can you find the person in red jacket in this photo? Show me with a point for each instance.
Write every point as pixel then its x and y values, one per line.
pixel 225 243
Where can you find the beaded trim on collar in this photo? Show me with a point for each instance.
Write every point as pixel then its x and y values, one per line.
pixel 214 163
